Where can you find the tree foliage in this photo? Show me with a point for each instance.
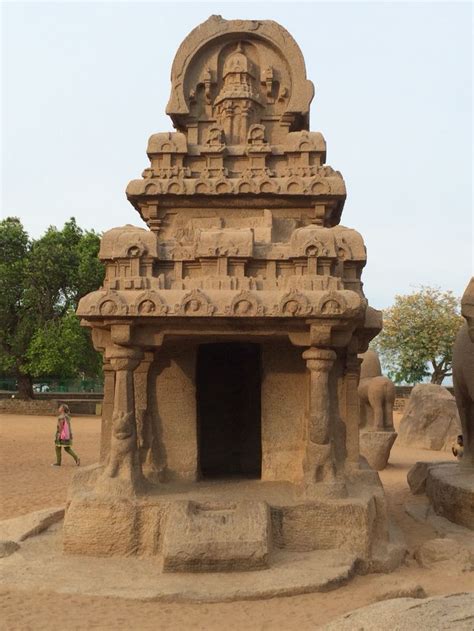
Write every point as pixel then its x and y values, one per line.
pixel 418 335
pixel 41 282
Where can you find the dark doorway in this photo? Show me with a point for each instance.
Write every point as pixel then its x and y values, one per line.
pixel 228 410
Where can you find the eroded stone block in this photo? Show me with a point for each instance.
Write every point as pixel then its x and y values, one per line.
pixel 201 537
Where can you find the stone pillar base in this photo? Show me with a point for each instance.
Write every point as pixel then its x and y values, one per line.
pixel 375 448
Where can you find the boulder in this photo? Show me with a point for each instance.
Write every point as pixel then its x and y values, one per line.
pixel 431 419
pixel 375 448
pixel 417 476
pixel 455 611
pixel 446 550
pixel 20 528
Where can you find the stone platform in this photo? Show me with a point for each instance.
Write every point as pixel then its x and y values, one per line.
pixel 40 561
pixel 450 488
pixel 230 525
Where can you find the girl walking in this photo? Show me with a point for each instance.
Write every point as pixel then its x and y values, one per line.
pixel 64 436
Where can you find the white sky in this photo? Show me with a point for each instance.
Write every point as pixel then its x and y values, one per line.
pixel 85 84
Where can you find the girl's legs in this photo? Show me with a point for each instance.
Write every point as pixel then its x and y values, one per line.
pixel 58 455
pixel 70 451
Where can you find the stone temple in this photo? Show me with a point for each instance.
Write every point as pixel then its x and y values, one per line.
pixel 230 330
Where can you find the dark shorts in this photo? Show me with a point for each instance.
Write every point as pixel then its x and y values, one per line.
pixel 63 443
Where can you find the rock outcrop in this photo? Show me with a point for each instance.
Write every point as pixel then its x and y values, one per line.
pixel 455 611
pixel 431 420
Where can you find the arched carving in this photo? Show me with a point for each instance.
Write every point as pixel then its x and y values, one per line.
pixel 195 303
pixel 153 188
pixel 111 304
pixel 293 304
pixel 267 186
pixel 215 138
pixel 256 136
pixel 175 186
pixel 314 248
pixel 295 185
pixel 149 303
pixel 332 304
pixel 245 186
pixel 245 304
pixel 320 187
pixel 295 97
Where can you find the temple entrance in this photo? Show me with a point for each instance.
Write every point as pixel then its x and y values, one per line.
pixel 228 410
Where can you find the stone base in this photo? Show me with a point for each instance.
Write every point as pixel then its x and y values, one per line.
pixel 375 448
pixel 230 525
pixel 135 578
pixel 450 488
pixel 207 537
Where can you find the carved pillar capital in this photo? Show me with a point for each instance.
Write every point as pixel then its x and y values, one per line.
pixel 124 357
pixel 124 363
pixel 319 359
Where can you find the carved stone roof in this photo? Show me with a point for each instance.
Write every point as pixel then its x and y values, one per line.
pixel 240 102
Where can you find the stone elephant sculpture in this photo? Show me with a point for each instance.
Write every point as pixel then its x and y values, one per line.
pixel 376 395
pixel 463 374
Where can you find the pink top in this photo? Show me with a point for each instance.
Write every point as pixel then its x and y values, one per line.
pixel 64 429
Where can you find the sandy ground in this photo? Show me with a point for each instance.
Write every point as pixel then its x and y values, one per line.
pixel 28 482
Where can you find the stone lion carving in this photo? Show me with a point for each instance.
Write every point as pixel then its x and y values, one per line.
pixel 376 394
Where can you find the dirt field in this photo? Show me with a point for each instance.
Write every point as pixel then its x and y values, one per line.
pixel 28 482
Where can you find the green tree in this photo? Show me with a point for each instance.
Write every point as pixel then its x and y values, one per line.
pixel 418 335
pixel 62 348
pixel 41 283
pixel 17 318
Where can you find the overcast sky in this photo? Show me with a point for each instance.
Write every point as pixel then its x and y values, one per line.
pixel 85 84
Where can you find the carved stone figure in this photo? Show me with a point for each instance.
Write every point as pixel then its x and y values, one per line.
pixel 376 395
pixel 450 486
pixel 377 398
pixel 230 328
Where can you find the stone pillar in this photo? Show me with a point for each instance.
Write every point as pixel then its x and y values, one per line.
pixel 146 432
pixel 319 463
pixel 107 410
pixel 122 473
pixel 352 415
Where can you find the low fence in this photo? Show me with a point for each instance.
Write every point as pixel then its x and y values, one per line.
pixel 49 385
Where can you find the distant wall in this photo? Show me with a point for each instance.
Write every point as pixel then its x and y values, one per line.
pixel 48 406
